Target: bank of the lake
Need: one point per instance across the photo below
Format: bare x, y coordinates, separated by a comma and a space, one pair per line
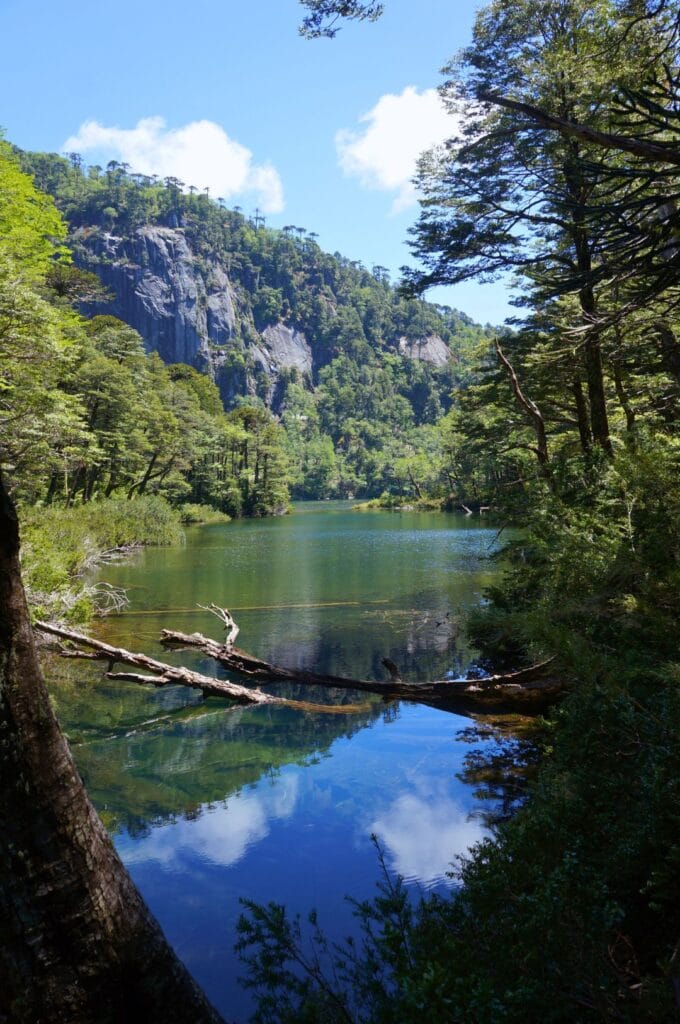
208, 803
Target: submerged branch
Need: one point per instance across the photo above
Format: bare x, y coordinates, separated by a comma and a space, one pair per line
530, 689
171, 675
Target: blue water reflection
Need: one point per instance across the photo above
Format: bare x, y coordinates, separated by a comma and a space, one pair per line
209, 804
302, 836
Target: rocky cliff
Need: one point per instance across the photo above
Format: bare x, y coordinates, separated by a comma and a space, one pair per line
187, 309
184, 310
358, 372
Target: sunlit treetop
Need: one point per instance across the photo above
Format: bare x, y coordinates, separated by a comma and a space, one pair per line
324, 15
31, 228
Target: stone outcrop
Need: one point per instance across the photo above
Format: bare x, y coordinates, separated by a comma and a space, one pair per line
188, 310
431, 349
157, 287
286, 347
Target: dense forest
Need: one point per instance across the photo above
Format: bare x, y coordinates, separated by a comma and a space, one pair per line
358, 375
101, 441
107, 444
564, 174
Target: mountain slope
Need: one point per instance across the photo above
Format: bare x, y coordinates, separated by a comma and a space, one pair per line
330, 347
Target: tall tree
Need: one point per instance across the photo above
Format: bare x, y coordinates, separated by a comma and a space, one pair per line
510, 195
77, 943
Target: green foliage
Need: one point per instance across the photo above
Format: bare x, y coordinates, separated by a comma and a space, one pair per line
324, 15
569, 911
370, 391
191, 514
97, 438
62, 547
566, 914
31, 228
36, 338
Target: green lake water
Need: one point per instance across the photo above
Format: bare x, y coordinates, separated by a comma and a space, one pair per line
208, 804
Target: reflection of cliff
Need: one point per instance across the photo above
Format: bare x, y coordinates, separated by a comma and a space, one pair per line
144, 777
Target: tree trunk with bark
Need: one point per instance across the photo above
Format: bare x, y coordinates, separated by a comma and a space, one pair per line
534, 416
77, 943
584, 432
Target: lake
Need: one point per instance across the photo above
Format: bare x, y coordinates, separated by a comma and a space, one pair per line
207, 803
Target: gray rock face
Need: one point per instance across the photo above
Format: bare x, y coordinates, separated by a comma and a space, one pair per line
278, 348
284, 347
432, 349
180, 310
187, 310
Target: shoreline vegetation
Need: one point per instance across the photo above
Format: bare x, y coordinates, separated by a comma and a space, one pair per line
566, 424
62, 549
400, 503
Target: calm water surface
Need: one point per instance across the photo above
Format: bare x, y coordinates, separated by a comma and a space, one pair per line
209, 804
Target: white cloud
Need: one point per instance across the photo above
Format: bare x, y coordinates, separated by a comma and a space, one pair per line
424, 835
221, 835
384, 154
200, 153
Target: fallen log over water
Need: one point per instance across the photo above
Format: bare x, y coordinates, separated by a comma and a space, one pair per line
527, 690
171, 675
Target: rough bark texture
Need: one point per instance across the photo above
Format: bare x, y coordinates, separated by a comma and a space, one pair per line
77, 943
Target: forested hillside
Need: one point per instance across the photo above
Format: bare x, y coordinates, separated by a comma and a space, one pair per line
358, 374
104, 445
157, 349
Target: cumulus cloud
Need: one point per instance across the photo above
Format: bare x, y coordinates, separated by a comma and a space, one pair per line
200, 154
384, 153
221, 835
425, 834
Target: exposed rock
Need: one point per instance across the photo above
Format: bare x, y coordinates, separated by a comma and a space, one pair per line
431, 349
286, 347
180, 309
186, 308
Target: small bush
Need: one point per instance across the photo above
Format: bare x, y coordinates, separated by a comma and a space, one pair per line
191, 514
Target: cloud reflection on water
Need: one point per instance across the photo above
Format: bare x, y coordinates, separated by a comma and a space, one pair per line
424, 831
222, 834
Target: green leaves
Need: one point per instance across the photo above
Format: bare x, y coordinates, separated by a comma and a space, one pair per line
31, 229
325, 15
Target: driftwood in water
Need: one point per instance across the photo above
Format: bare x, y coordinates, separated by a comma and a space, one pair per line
163, 674
171, 675
526, 690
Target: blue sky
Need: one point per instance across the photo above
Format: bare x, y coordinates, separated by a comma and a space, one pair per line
320, 134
